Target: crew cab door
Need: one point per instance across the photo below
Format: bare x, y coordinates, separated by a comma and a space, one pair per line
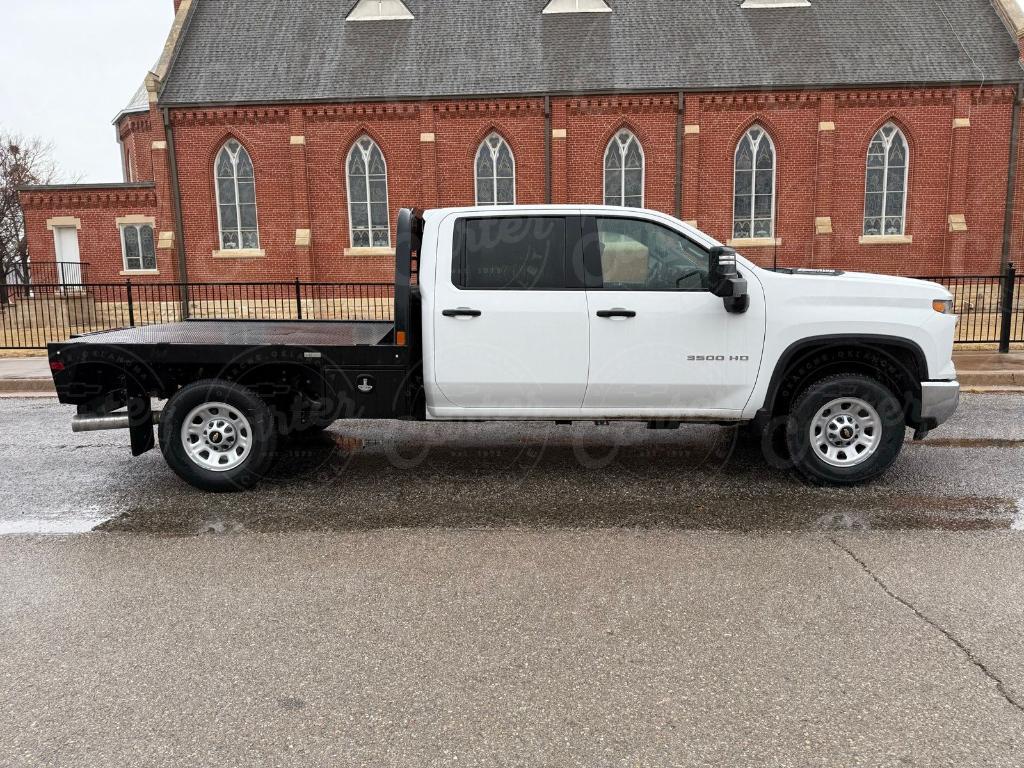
508, 331
659, 339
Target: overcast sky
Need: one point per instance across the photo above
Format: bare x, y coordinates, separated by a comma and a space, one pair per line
67, 67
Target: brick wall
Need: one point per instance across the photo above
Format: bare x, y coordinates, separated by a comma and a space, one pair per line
99, 236
590, 124
265, 134
461, 127
136, 134
791, 120
959, 143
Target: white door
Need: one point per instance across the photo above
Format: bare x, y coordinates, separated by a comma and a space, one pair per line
69, 259
507, 334
659, 340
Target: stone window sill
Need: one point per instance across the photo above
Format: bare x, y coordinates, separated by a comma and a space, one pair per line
754, 242
131, 272
369, 251
886, 239
240, 253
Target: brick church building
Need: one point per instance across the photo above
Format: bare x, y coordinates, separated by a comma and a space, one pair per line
277, 140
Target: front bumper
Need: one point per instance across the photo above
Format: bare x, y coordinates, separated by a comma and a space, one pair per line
939, 401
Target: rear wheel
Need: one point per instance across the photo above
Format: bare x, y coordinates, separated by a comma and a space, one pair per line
844, 430
218, 436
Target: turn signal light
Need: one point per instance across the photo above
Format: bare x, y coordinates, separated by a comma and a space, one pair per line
943, 306
400, 338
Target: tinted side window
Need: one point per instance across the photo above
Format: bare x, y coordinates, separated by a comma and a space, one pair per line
643, 256
518, 253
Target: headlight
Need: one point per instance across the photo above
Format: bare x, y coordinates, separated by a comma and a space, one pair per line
943, 306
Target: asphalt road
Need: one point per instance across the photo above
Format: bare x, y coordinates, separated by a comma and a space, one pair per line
370, 475
485, 595
513, 648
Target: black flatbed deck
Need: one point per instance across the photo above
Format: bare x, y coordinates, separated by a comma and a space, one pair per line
221, 348
247, 333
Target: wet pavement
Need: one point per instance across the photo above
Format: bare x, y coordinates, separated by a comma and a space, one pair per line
527, 595
368, 475
513, 648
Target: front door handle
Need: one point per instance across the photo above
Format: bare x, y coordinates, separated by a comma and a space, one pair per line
462, 312
616, 313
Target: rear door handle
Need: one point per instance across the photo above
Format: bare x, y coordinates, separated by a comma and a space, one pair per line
616, 313
462, 312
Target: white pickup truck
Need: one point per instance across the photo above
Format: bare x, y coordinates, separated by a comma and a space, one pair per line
546, 313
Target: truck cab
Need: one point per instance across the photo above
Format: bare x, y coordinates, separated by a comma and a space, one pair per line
613, 313
580, 313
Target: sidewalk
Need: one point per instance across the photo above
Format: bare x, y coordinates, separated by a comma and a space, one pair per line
978, 372
29, 376
990, 371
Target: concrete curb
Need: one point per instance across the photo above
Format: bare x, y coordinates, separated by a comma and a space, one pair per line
996, 390
27, 385
991, 378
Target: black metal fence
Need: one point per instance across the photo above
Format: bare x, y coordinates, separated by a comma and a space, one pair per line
39, 314
58, 272
990, 307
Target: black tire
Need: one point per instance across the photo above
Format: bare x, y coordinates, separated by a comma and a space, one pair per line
809, 460
262, 443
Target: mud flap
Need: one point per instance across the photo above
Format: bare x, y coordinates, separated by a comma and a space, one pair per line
141, 425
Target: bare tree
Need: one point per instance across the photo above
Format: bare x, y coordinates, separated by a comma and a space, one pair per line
22, 161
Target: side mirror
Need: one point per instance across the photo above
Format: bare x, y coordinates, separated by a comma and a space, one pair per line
725, 280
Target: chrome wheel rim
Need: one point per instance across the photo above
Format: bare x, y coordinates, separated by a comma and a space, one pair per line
216, 437
846, 432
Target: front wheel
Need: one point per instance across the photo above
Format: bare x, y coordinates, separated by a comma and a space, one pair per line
218, 436
845, 430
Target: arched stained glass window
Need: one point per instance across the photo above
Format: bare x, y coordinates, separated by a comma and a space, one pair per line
885, 191
495, 172
624, 171
236, 198
754, 190
367, 172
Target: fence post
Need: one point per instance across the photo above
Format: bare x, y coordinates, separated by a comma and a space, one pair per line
1006, 322
298, 298
131, 303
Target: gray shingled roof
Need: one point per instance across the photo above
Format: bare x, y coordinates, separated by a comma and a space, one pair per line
139, 103
257, 51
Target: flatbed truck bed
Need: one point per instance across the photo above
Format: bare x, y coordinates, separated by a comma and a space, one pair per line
315, 371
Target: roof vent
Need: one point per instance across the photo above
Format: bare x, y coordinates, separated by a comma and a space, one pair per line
577, 6
776, 4
380, 10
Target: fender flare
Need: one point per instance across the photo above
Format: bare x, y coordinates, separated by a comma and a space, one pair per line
868, 341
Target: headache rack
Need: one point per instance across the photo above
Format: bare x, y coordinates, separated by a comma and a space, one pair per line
407, 261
